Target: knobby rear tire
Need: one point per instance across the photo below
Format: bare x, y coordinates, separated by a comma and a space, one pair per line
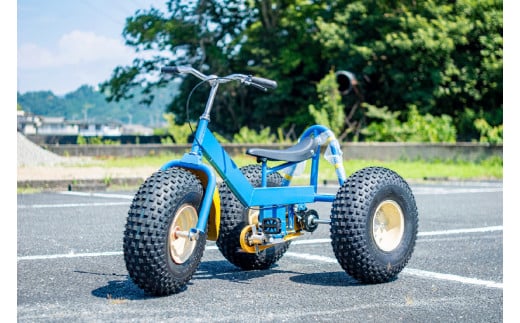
234, 217
355, 225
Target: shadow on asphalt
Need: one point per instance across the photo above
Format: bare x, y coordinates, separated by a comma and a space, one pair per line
339, 278
223, 270
121, 289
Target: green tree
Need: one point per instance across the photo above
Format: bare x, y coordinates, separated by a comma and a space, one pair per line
330, 110
444, 57
265, 38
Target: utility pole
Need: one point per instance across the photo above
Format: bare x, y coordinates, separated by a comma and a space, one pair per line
86, 106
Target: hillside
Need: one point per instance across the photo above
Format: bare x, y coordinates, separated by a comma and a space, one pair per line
88, 104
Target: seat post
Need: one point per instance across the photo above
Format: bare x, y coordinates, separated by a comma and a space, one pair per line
264, 171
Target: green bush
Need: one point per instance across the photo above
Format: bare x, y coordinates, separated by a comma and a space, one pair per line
246, 135
417, 127
180, 132
488, 133
81, 140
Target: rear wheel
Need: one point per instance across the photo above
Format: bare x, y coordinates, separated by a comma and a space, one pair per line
159, 258
234, 217
374, 223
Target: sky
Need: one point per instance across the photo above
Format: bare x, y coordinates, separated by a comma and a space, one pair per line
63, 44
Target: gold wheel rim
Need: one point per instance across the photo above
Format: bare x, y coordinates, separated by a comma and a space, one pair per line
388, 225
180, 246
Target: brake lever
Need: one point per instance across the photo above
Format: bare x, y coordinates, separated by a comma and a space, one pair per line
249, 81
259, 87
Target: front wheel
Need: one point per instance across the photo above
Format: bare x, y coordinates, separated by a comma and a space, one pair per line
374, 222
158, 258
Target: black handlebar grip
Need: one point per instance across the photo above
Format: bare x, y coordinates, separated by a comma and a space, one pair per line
170, 70
268, 84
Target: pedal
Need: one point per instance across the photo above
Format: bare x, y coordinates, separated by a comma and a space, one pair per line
271, 225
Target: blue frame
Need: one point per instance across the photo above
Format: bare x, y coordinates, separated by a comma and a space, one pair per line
272, 201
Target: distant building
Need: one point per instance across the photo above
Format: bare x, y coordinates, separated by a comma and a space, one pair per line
59, 131
136, 129
30, 124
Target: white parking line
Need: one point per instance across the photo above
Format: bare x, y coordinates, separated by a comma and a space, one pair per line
296, 242
461, 231
449, 277
408, 271
422, 190
71, 255
117, 196
419, 234
48, 206
459, 190
416, 191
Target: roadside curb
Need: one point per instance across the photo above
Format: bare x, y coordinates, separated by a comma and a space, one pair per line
82, 185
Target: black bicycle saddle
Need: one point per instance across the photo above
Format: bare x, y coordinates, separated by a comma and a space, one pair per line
303, 150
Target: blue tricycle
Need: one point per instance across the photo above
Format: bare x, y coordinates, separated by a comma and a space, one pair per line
254, 212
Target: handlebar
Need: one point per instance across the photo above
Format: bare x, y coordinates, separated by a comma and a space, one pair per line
258, 82
170, 69
267, 83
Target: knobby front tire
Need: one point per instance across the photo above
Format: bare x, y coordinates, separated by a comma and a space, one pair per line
158, 260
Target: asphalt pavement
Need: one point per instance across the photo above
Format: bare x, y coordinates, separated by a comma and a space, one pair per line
70, 267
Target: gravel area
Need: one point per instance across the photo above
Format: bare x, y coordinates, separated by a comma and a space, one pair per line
38, 164
30, 154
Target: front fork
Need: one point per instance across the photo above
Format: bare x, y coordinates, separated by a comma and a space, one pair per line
209, 211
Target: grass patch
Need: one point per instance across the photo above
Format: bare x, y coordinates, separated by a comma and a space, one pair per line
489, 169
416, 170
129, 162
